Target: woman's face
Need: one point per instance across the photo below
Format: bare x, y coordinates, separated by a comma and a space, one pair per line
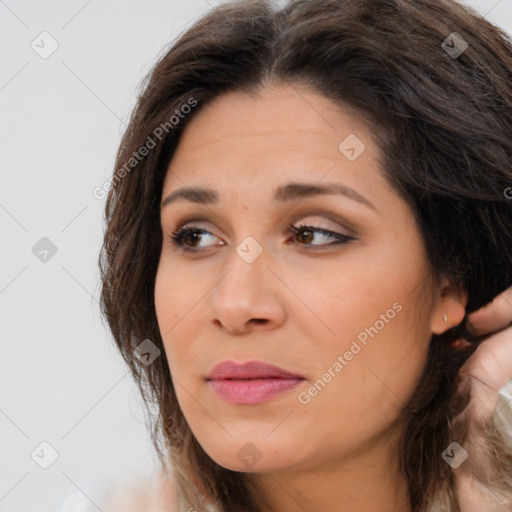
350, 322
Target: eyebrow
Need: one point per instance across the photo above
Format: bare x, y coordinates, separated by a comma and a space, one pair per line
288, 192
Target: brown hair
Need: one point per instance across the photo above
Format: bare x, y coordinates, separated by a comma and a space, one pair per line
444, 125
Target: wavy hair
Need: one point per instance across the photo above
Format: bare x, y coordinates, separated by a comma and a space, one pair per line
441, 115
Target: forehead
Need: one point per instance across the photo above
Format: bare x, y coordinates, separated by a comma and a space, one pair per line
281, 119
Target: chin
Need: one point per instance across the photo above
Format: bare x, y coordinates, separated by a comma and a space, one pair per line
250, 456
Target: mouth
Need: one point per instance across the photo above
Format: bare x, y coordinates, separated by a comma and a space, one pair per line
253, 382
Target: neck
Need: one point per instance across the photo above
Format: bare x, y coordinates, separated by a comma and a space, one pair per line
368, 481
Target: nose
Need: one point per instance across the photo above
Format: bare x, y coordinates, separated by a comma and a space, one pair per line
247, 297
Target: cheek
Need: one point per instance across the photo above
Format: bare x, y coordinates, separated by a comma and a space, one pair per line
372, 309
173, 306
374, 378
355, 293
175, 295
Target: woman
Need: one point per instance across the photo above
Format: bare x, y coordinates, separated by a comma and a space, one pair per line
308, 203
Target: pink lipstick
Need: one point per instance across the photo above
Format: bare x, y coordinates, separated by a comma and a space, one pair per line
253, 382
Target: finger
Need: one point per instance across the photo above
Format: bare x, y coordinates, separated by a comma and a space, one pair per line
491, 362
492, 317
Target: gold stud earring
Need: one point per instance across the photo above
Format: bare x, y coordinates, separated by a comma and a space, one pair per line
445, 317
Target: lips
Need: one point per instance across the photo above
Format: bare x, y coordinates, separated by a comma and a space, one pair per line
251, 383
250, 370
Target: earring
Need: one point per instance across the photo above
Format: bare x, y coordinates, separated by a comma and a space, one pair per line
445, 317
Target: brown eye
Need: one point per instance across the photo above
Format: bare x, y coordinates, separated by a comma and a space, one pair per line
309, 232
192, 234
188, 238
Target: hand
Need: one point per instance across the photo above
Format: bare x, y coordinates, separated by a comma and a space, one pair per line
488, 370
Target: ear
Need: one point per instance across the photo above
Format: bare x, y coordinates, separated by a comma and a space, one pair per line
450, 307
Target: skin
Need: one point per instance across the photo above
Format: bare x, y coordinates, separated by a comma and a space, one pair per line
309, 305
488, 370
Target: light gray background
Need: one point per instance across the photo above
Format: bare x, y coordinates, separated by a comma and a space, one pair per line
61, 380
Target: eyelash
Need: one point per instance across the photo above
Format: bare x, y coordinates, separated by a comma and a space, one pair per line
177, 237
